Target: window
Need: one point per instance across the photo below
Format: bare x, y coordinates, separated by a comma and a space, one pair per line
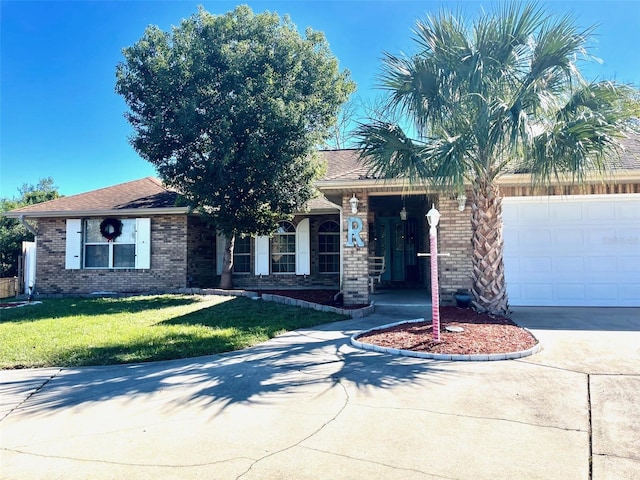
242, 255
329, 247
99, 252
283, 249
88, 247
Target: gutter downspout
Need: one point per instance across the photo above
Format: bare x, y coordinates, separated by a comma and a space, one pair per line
32, 265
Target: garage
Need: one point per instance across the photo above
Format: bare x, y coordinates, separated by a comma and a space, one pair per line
581, 250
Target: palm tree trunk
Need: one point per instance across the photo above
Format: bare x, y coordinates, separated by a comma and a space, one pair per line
489, 286
226, 280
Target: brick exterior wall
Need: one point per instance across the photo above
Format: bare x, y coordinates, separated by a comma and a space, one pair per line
168, 262
454, 237
201, 254
291, 280
355, 279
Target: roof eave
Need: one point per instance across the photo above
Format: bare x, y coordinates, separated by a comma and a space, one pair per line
99, 213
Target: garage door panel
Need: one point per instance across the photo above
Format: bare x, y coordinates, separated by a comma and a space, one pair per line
596, 212
562, 265
580, 250
569, 293
603, 266
540, 294
596, 293
563, 212
623, 212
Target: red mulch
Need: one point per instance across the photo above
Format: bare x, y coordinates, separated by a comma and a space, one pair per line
483, 334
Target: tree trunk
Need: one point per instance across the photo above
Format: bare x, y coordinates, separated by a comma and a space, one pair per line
226, 280
489, 286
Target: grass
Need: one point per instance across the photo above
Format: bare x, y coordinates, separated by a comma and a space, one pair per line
89, 331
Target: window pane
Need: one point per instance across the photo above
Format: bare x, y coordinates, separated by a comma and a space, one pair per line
329, 263
329, 226
283, 263
124, 256
92, 232
242, 264
243, 245
96, 256
128, 232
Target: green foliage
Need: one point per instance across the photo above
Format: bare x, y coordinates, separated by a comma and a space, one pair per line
83, 331
503, 94
229, 109
12, 232
500, 95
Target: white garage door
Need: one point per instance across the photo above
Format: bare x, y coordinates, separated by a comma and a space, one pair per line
572, 251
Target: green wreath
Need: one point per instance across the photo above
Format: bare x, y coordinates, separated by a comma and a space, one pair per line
111, 228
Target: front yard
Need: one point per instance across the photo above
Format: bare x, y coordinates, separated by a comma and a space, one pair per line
91, 331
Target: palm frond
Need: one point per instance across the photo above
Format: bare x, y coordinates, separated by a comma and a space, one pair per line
390, 153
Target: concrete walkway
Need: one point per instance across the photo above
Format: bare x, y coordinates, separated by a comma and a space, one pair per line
307, 405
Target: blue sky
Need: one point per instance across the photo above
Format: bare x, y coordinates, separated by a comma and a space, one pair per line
60, 116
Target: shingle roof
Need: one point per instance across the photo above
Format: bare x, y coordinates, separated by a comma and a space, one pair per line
147, 193
630, 158
346, 164
343, 165
150, 193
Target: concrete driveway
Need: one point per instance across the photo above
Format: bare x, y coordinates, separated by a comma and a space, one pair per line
307, 405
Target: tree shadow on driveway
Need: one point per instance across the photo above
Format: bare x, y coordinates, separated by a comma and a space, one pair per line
316, 358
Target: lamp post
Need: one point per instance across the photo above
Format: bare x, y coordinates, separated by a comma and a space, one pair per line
433, 217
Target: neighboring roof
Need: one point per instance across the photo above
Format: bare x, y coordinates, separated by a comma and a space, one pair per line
148, 193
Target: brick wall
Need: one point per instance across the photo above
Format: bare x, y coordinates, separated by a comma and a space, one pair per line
201, 254
290, 280
168, 262
454, 237
355, 279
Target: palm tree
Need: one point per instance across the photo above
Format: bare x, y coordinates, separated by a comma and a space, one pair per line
502, 95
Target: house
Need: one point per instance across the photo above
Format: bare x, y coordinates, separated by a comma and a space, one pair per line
564, 245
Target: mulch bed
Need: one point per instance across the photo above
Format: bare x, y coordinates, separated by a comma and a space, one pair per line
482, 334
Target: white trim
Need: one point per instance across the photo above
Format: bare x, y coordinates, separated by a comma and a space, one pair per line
262, 255
143, 243
73, 247
303, 248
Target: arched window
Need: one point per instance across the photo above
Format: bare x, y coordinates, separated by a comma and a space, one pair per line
283, 249
329, 247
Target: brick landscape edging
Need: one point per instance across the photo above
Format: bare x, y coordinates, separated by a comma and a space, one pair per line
268, 297
439, 356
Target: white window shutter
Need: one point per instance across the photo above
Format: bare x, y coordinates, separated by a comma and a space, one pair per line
221, 243
143, 243
303, 251
262, 255
73, 251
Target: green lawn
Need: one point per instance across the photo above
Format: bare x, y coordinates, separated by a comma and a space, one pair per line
90, 331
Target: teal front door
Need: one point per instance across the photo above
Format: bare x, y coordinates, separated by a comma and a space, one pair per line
391, 246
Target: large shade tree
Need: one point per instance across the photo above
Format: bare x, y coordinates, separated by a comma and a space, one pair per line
503, 94
229, 109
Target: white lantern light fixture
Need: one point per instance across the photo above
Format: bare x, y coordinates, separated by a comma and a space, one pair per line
433, 216
462, 200
354, 204
403, 213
